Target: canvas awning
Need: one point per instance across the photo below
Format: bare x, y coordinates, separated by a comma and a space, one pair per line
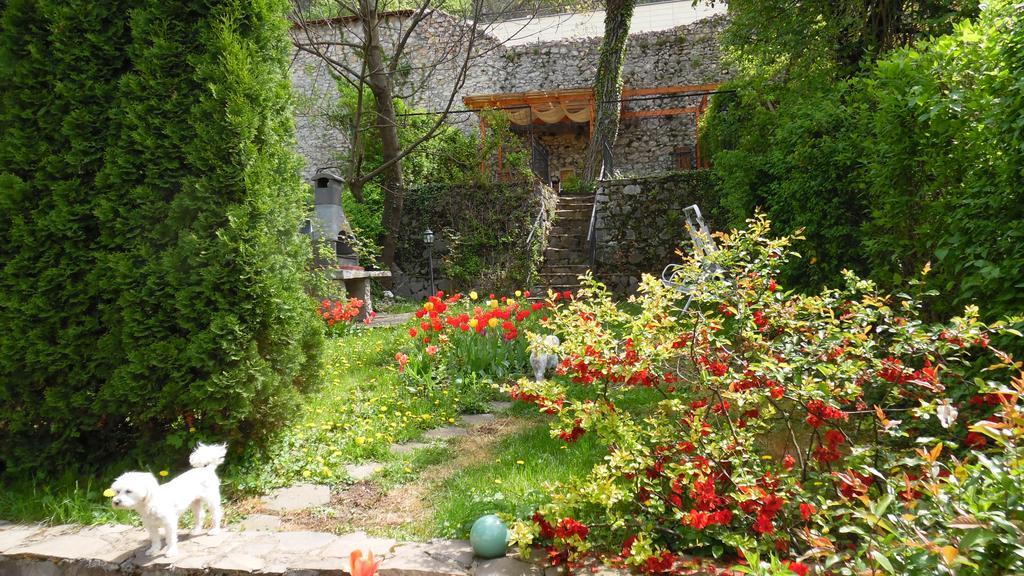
539, 107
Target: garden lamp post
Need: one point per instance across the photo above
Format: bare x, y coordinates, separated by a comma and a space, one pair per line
428, 239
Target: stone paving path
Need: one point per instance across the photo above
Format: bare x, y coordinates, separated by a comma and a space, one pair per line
385, 320
32, 550
300, 497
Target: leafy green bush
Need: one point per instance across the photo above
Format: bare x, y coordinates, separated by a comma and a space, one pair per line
151, 266
916, 158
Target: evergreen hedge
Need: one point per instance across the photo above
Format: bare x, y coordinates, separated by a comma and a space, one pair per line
150, 200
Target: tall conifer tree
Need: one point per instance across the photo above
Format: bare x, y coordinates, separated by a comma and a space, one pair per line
187, 301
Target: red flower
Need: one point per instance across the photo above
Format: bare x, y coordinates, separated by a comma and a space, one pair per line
799, 568
360, 566
569, 527
788, 462
627, 547
807, 510
777, 392
975, 440
698, 520
772, 286
412, 332
431, 350
763, 524
546, 530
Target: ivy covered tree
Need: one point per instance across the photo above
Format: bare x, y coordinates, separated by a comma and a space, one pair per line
185, 305
608, 84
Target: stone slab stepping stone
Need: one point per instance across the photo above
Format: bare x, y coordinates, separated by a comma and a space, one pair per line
417, 560
363, 471
14, 535
297, 497
499, 406
477, 419
445, 433
408, 447
505, 567
260, 523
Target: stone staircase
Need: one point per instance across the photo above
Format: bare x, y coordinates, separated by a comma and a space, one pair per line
566, 255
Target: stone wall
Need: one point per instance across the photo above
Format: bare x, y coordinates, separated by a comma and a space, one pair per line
640, 223
433, 57
480, 232
686, 55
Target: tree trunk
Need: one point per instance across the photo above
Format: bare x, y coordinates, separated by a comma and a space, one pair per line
380, 85
608, 84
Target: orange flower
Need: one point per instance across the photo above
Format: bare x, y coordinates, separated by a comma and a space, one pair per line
363, 566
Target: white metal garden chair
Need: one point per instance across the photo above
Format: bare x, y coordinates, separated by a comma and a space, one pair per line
703, 245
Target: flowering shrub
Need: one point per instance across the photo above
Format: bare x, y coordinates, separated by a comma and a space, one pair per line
339, 315
796, 428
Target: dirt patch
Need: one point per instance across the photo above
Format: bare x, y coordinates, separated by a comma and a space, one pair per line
366, 506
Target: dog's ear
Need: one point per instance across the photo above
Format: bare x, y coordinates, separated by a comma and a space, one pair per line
150, 484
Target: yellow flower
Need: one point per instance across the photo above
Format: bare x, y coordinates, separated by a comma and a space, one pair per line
493, 303
473, 295
164, 472
474, 323
497, 480
519, 293
109, 493
492, 322
520, 462
428, 306
360, 441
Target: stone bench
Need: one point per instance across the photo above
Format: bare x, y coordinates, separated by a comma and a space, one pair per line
357, 285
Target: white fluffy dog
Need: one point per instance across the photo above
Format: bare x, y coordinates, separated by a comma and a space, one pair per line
543, 357
160, 506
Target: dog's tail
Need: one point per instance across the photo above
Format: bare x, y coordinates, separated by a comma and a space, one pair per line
208, 455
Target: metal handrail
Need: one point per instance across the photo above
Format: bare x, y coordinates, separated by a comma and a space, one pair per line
607, 163
592, 235
529, 238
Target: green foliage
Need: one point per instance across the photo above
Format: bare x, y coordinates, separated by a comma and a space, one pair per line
914, 159
483, 224
152, 267
447, 157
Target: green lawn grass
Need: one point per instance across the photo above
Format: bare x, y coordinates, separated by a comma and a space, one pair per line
362, 409
513, 481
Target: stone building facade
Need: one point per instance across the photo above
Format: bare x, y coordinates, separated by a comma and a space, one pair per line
683, 56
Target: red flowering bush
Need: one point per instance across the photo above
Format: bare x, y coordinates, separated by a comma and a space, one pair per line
776, 419
339, 314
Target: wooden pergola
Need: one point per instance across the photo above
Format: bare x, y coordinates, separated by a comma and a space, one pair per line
578, 105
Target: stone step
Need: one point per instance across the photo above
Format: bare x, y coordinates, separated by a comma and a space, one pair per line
556, 256
565, 240
556, 288
558, 279
564, 269
574, 209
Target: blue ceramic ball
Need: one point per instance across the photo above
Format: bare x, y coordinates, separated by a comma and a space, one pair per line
489, 537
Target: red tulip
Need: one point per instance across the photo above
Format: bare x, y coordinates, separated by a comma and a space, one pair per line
363, 566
